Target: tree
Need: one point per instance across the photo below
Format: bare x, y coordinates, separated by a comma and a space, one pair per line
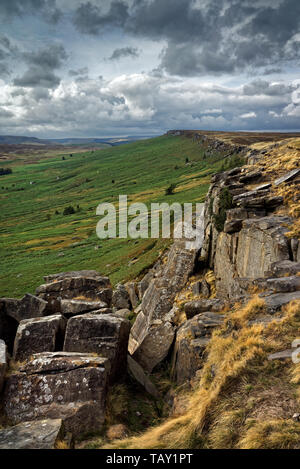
69, 210
4, 171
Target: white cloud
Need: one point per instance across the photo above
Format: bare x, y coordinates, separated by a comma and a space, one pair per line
248, 115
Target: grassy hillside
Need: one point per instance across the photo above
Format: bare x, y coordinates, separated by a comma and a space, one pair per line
37, 239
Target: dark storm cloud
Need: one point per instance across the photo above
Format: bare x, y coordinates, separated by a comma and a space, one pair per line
124, 52
80, 72
42, 65
206, 37
261, 87
47, 8
90, 18
37, 76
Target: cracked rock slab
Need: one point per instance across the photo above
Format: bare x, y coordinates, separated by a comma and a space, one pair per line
69, 386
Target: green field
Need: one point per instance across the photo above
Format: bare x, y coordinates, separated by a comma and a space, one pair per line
37, 239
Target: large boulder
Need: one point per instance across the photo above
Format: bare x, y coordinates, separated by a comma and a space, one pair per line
104, 334
39, 335
191, 341
67, 386
153, 344
74, 285
3, 362
28, 307
43, 434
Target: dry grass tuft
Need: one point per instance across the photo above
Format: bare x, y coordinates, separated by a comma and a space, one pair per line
272, 434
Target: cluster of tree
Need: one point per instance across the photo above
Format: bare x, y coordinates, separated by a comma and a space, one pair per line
4, 171
70, 210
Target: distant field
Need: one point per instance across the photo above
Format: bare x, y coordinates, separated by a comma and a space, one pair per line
37, 239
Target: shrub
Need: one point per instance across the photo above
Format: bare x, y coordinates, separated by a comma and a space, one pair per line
69, 210
225, 204
170, 190
4, 171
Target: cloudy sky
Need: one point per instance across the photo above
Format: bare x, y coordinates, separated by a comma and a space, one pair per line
127, 67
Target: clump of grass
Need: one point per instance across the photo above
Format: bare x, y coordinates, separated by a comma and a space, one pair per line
273, 434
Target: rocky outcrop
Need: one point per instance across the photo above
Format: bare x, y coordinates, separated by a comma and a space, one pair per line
104, 334
3, 362
43, 434
83, 285
152, 333
191, 341
39, 335
67, 386
244, 240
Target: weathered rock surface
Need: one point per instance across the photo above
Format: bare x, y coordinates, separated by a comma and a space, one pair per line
75, 273
120, 298
74, 285
287, 177
233, 226
283, 268
191, 340
28, 307
249, 253
144, 284
131, 288
73, 307
39, 335
3, 362
154, 342
123, 313
192, 308
152, 333
283, 284
68, 386
43, 434
103, 334
276, 301
138, 373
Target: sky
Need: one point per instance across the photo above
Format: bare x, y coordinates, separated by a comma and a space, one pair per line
99, 68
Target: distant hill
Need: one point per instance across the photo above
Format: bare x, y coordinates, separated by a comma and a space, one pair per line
114, 141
